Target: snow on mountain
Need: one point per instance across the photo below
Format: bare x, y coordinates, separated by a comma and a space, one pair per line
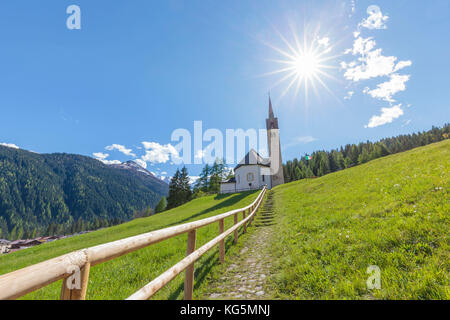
132, 165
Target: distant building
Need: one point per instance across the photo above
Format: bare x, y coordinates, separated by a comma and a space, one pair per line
254, 171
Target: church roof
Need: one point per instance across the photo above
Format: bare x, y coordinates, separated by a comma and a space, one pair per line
253, 158
231, 180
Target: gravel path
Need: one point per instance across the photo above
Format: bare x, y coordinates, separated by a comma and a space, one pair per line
245, 278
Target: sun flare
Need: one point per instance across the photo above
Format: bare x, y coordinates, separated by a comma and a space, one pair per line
306, 65
303, 65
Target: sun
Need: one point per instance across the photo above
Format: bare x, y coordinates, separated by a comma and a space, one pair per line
306, 65
303, 65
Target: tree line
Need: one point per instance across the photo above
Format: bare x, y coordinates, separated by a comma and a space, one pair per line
48, 194
211, 176
320, 163
181, 190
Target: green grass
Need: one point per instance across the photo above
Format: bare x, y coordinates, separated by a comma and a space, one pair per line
119, 278
392, 212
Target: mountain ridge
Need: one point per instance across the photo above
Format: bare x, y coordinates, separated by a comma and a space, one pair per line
69, 192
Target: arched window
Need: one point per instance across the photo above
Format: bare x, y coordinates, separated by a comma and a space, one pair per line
250, 177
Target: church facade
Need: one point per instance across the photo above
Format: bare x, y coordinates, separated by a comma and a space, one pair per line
253, 172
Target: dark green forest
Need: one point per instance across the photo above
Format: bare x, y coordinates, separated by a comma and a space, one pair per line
47, 194
323, 162
181, 191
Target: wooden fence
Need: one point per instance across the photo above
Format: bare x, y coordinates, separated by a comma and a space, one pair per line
74, 267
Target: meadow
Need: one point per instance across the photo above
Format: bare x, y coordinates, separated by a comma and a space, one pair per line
392, 212
121, 277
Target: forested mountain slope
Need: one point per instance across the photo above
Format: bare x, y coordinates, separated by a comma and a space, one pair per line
59, 193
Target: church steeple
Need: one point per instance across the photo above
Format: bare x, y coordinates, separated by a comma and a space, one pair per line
273, 142
271, 122
271, 116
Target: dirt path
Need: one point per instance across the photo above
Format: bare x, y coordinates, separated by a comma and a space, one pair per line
245, 278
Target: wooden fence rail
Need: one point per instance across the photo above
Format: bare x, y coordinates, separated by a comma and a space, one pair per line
75, 267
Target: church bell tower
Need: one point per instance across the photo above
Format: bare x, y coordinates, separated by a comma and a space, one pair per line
273, 142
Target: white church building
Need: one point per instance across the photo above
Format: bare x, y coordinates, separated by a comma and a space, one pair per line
254, 172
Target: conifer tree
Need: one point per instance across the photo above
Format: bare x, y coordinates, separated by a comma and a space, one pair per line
185, 187
173, 199
162, 205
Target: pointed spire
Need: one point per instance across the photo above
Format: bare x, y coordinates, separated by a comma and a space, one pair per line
271, 122
271, 115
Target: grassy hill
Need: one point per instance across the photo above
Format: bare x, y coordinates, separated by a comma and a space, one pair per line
119, 278
392, 212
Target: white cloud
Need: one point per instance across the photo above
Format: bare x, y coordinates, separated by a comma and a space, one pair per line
157, 153
141, 162
228, 169
386, 90
402, 64
362, 46
376, 19
349, 95
387, 116
110, 161
325, 41
200, 154
193, 179
100, 155
120, 148
371, 63
9, 145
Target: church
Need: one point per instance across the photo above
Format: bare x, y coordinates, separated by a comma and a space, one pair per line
254, 171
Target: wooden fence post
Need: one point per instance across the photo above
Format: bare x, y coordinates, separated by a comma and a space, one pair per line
236, 233
189, 275
77, 290
76, 265
222, 242
65, 291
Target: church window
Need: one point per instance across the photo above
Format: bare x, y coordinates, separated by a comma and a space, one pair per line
250, 176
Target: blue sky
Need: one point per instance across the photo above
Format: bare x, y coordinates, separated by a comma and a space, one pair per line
138, 70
